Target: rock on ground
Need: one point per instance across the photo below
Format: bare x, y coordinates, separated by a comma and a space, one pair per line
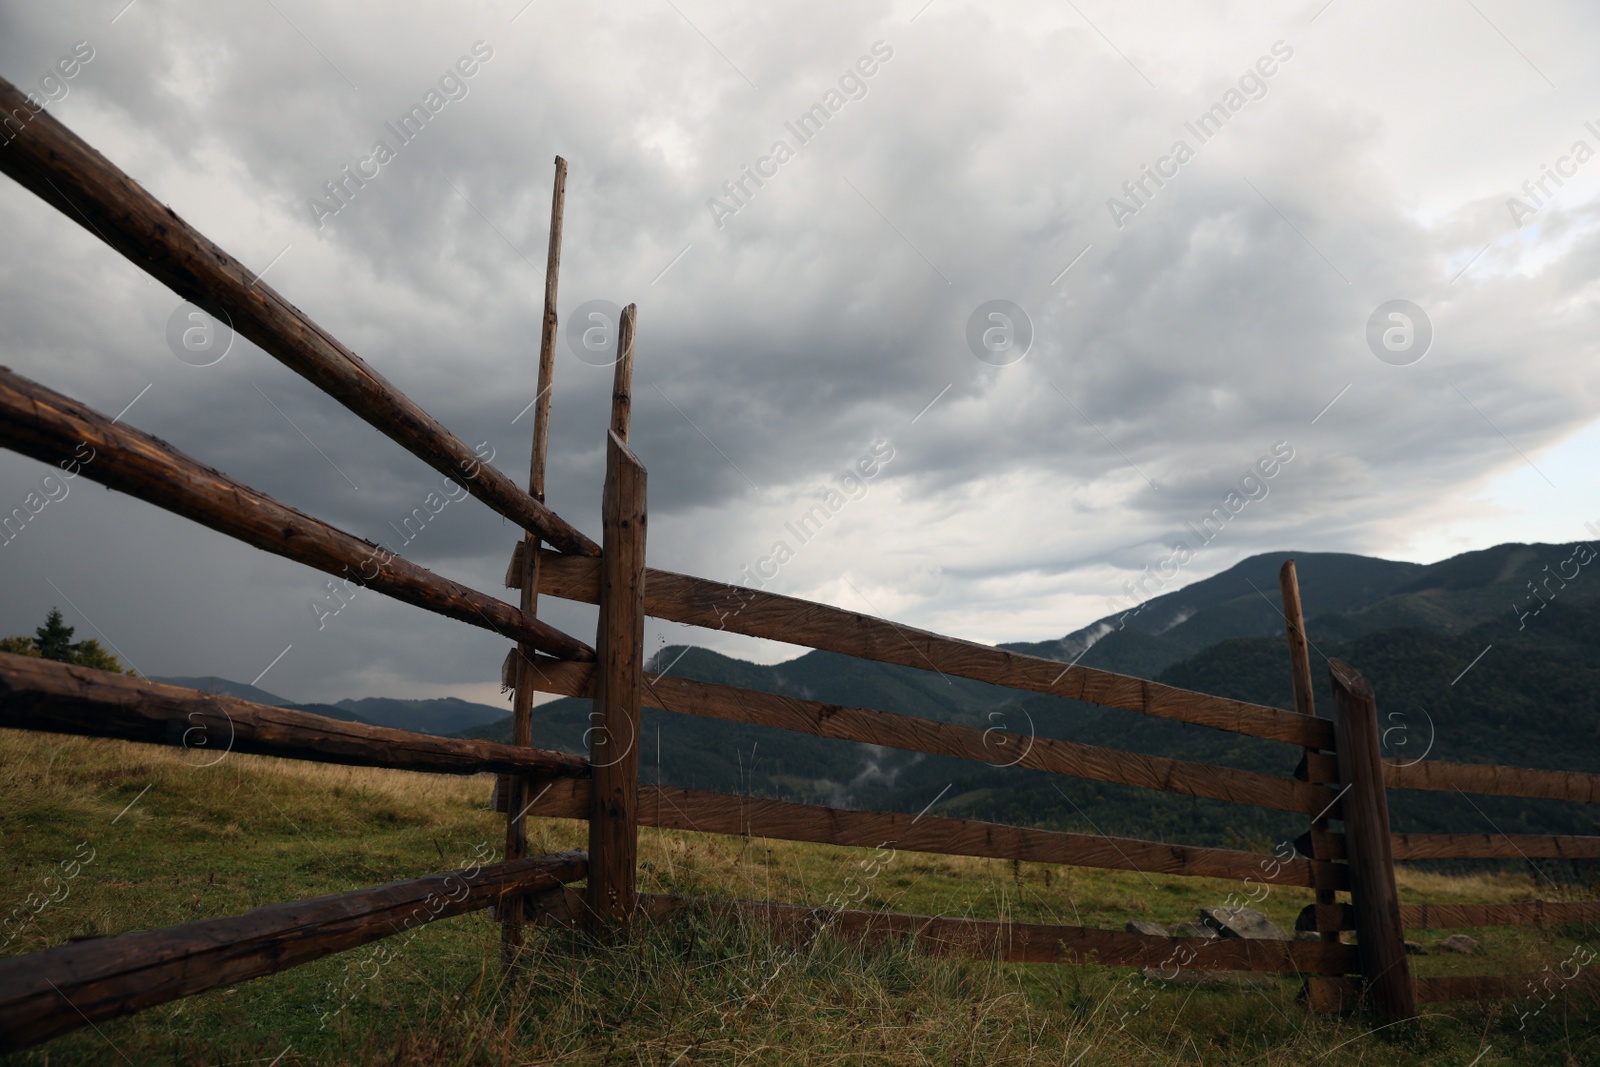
1461, 943
1246, 923
1140, 926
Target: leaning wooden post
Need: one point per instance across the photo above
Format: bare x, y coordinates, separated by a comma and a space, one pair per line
1320, 992
1380, 939
1304, 703
619, 672
525, 570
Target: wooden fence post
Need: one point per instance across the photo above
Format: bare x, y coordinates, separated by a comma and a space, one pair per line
1320, 993
619, 674
1380, 938
527, 562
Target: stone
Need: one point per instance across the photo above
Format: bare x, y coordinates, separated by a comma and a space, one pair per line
1140, 926
1307, 935
1460, 943
1413, 948
1245, 923
1205, 933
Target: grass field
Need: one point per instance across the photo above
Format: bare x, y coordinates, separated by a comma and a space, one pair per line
160, 839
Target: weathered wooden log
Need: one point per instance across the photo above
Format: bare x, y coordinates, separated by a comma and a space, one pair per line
1294, 622
732, 704
1495, 846
60, 989
1366, 824
62, 170
40, 694
721, 813
525, 563
1516, 913
619, 681
1520, 913
998, 940
1494, 780
1539, 988
52, 428
622, 375
702, 602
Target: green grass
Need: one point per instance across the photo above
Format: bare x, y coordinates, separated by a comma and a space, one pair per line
698, 988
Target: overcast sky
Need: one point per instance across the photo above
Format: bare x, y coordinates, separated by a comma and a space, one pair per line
1177, 334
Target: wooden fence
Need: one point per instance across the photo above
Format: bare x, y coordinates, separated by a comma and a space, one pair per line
1341, 778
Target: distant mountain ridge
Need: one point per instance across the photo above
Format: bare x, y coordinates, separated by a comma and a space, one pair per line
441, 715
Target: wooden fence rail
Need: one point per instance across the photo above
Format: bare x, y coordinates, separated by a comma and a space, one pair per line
996, 939
1537, 913
701, 602
702, 811
1467, 846
41, 694
49, 427
1493, 780
908, 732
62, 170
60, 989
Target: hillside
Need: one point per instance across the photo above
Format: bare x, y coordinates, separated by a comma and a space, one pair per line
173, 842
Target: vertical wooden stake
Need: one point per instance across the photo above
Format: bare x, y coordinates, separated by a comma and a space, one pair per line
515, 789
619, 688
622, 380
619, 668
1380, 939
1322, 993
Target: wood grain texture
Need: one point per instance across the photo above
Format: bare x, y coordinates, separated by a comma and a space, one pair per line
619, 681
721, 813
993, 746
60, 989
701, 602
40, 694
55, 429
1493, 780
1328, 845
1515, 913
1539, 988
62, 170
1521, 913
622, 375
1384, 963
1495, 846
1006, 942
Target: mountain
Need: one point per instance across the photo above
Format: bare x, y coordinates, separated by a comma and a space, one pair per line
443, 716
242, 690
1344, 595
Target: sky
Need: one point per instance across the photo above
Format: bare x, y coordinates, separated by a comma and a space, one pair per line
1194, 224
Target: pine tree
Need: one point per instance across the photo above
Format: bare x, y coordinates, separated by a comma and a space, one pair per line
54, 638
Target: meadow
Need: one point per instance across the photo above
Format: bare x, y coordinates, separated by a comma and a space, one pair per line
157, 836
